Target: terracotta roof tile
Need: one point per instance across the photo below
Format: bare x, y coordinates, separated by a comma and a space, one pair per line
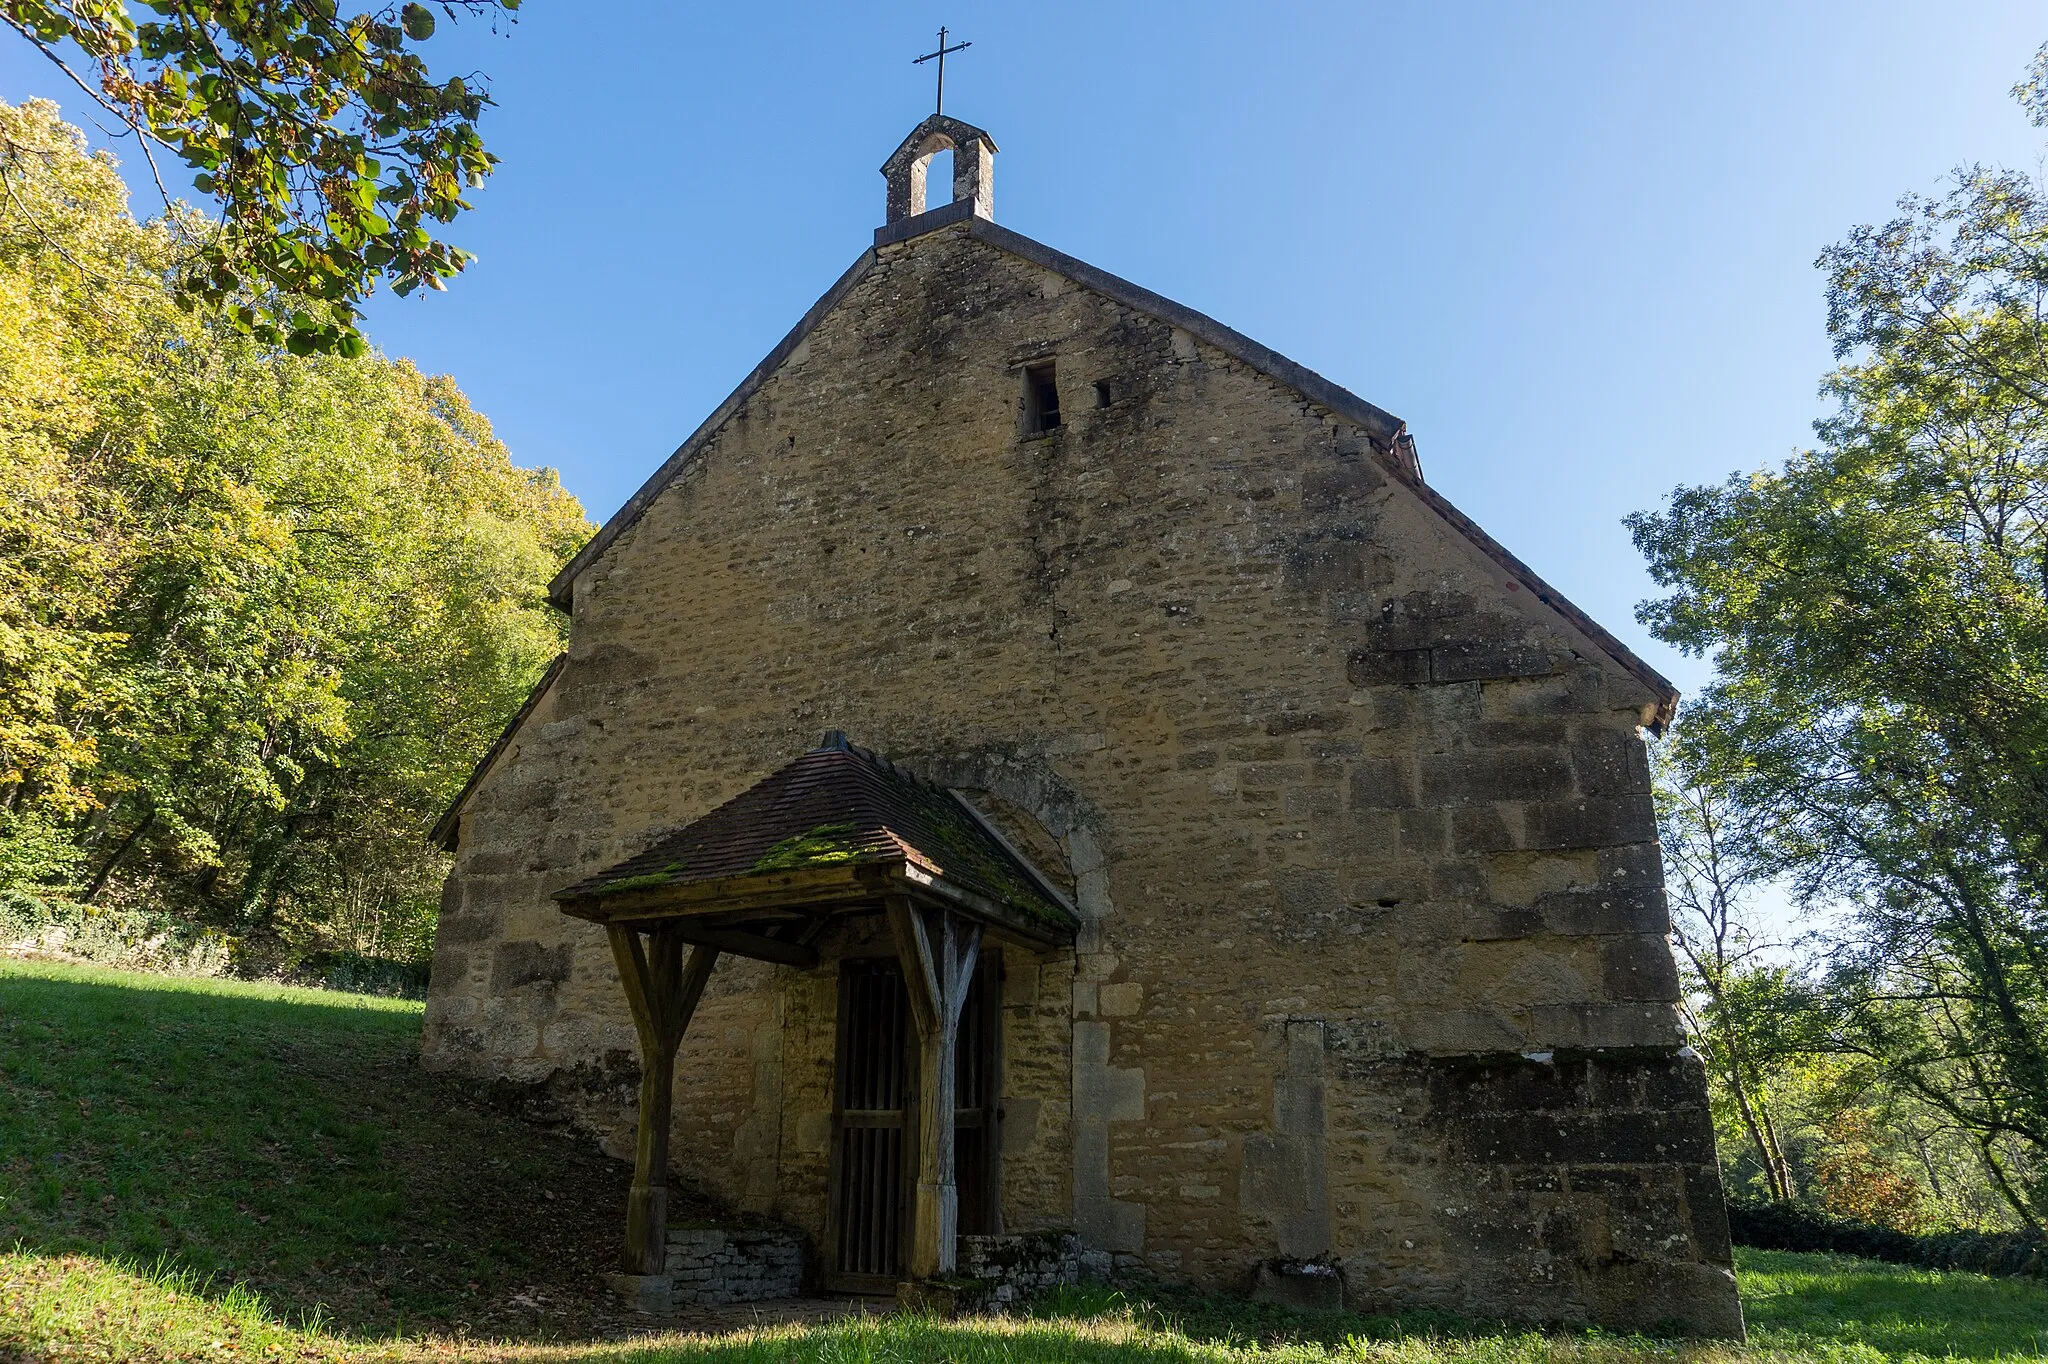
835, 804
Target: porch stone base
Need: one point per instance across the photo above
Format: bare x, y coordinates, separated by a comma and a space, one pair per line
653, 1294
718, 1266
995, 1272
713, 1266
1009, 1269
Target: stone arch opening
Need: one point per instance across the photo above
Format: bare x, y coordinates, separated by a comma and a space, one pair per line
934, 174
1027, 834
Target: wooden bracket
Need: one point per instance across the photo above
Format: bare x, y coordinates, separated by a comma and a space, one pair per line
743, 943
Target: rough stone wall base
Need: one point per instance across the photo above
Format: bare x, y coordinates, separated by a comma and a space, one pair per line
1005, 1270
717, 1266
1311, 1284
1576, 1187
713, 1266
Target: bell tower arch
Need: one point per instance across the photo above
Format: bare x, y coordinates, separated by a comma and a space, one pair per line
974, 159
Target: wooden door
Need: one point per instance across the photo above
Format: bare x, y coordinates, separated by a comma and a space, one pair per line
874, 1155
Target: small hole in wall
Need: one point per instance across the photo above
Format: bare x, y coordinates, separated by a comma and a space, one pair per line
1041, 399
1386, 904
1102, 394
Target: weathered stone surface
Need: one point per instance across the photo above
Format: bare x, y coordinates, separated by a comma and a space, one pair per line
1310, 1285
1006, 1270
514, 964
1487, 775
1339, 812
1497, 658
1638, 967
1582, 1186
1592, 822
713, 1266
1375, 667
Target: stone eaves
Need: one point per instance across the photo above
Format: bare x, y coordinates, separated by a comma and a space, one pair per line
442, 835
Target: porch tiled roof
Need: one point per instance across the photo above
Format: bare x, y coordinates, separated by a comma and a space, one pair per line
835, 805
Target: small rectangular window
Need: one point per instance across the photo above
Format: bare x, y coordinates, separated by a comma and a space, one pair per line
1041, 399
1103, 396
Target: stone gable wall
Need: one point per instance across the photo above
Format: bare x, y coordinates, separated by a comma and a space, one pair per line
1344, 809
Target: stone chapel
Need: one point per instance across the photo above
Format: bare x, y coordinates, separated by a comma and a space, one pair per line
1036, 763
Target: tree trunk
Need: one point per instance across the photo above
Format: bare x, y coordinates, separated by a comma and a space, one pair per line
99, 880
1750, 1123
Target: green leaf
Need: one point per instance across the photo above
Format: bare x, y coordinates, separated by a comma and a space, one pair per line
418, 21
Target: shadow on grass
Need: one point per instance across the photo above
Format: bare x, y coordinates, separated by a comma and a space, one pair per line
1224, 1319
1796, 1300
287, 1140
914, 1340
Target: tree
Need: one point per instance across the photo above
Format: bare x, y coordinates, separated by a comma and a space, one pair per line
1878, 614
259, 613
1742, 1010
332, 152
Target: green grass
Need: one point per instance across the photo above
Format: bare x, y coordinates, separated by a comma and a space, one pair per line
210, 1170
1815, 1303
71, 1309
285, 1140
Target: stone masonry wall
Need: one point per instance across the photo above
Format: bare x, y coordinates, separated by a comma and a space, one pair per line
1012, 1269
712, 1266
1348, 811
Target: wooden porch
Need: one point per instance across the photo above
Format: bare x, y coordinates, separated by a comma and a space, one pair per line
837, 832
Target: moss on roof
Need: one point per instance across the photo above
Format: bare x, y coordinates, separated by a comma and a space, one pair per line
646, 880
832, 807
822, 846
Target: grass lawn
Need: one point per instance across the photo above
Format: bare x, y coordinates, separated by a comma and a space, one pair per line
208, 1170
286, 1140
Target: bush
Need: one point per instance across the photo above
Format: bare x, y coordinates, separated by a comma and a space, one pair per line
110, 936
364, 975
1794, 1226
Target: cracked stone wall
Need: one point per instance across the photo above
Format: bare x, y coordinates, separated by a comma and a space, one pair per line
1372, 967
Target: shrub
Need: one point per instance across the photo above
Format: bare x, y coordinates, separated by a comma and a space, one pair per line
111, 936
1794, 1226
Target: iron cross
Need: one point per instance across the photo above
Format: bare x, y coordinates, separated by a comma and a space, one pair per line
941, 55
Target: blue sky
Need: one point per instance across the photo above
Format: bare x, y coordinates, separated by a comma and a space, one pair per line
1571, 245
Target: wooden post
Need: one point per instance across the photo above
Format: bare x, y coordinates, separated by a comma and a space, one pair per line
662, 991
938, 948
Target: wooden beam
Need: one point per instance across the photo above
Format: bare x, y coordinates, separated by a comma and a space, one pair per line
1025, 928
920, 971
939, 948
809, 891
740, 943
839, 884
662, 990
632, 963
